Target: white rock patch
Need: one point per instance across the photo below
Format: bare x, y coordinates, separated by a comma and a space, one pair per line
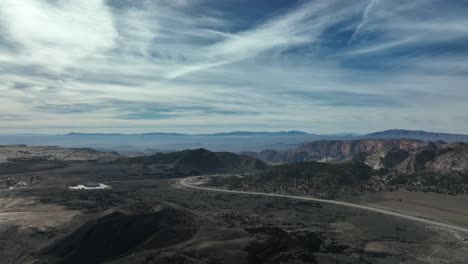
100, 186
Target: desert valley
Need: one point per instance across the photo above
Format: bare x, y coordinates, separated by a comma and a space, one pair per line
328, 201
233, 132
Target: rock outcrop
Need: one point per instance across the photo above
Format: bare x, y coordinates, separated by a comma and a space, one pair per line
377, 153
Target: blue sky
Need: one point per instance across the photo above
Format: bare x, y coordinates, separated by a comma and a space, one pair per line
220, 65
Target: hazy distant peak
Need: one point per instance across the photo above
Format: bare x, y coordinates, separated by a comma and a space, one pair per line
418, 134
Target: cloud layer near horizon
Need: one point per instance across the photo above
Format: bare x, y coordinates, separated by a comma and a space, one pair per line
203, 66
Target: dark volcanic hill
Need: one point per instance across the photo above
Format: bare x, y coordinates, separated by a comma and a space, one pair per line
122, 231
194, 162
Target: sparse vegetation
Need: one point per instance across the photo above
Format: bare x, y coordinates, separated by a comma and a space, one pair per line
128, 224
312, 178
333, 180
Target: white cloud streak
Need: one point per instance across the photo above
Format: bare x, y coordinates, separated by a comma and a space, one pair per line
365, 18
57, 35
288, 71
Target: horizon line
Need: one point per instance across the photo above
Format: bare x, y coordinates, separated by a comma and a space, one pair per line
229, 132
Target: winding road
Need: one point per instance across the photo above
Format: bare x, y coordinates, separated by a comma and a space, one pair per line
191, 182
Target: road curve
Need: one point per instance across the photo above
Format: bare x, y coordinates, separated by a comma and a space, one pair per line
188, 183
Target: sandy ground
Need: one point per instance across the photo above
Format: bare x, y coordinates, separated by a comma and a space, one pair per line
443, 208
30, 213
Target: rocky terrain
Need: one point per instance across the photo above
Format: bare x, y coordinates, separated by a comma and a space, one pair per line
17, 159
453, 160
157, 166
341, 180
371, 151
158, 221
405, 156
24, 153
393, 164
146, 216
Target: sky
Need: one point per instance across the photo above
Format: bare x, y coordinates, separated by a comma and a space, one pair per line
198, 66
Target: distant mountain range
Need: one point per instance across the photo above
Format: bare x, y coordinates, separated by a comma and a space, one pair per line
230, 141
392, 133
234, 133
418, 134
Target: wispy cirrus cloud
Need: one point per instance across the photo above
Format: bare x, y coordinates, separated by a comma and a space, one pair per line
365, 18
400, 25
136, 66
